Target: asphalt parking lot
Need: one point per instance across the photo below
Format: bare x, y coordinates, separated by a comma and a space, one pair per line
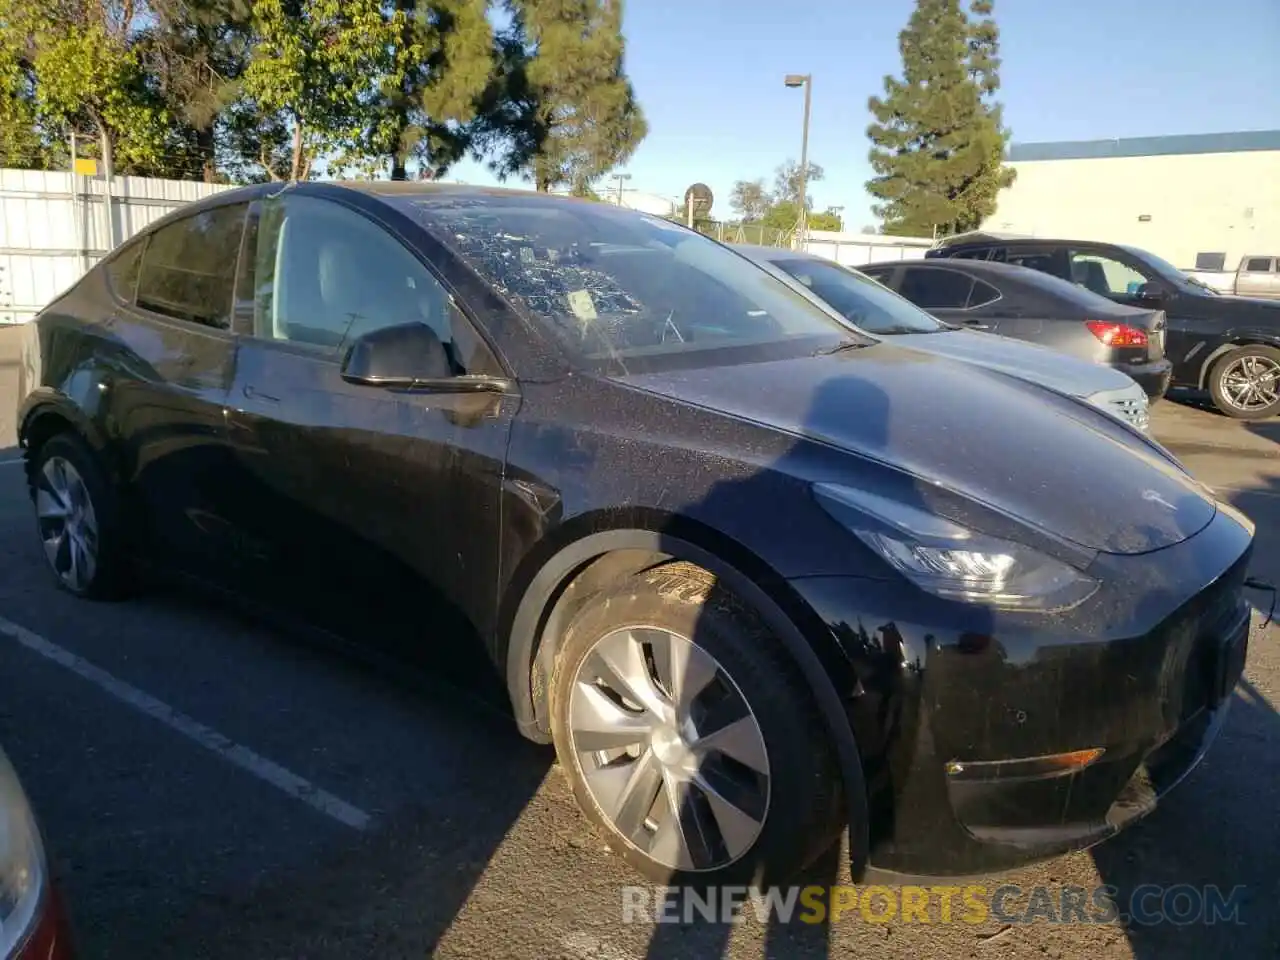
212, 788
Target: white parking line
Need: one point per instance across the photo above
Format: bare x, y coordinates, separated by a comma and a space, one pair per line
283, 780
10, 463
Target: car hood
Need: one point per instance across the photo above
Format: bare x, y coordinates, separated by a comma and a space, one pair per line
1246, 306
1048, 461
1049, 368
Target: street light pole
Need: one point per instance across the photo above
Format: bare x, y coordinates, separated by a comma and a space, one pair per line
621, 177
803, 80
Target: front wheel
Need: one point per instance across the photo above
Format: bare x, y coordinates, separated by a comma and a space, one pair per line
1245, 384
689, 737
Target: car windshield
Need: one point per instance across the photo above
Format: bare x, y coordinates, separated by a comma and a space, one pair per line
613, 284
1165, 270
862, 301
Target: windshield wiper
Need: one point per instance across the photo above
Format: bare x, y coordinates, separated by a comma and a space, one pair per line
840, 347
1196, 281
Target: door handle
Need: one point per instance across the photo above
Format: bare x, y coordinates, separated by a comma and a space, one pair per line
253, 394
976, 325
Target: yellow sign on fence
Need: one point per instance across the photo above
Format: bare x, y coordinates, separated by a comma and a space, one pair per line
86, 166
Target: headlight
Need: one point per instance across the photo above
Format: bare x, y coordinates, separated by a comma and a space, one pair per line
1129, 405
950, 560
22, 865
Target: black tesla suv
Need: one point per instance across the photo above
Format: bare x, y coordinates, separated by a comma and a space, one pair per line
759, 577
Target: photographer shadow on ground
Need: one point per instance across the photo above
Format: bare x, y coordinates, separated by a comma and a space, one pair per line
869, 661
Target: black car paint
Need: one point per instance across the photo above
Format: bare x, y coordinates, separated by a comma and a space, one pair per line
1202, 325
1023, 308
246, 457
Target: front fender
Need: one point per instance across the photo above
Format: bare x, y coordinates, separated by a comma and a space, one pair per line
528, 625
1237, 337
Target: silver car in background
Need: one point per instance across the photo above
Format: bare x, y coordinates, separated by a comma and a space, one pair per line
850, 292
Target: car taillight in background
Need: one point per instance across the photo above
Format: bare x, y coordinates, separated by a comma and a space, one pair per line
1117, 334
31, 922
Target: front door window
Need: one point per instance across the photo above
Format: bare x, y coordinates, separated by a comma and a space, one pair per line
1105, 275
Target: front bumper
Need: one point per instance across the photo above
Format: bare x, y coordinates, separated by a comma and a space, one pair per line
1143, 670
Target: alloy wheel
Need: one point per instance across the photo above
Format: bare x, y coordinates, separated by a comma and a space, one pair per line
68, 523
669, 749
1251, 383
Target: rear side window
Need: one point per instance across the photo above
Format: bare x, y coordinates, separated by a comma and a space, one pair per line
981, 253
122, 271
1051, 260
936, 289
879, 274
982, 294
189, 267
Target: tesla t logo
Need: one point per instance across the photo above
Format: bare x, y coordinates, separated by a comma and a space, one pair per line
1152, 497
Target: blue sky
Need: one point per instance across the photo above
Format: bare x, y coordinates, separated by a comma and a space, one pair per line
709, 76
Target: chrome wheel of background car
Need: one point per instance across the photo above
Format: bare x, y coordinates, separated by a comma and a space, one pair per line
68, 523
1251, 383
669, 749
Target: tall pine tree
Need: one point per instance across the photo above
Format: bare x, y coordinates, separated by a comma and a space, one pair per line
938, 139
564, 112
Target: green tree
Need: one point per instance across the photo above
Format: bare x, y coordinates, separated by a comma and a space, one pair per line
750, 200
783, 215
313, 66
565, 111
77, 68
196, 52
825, 220
786, 183
938, 139
422, 108
21, 140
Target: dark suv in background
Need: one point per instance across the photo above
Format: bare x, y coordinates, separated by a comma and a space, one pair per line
1229, 346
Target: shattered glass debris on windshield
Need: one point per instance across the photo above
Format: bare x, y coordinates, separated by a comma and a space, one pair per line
614, 283
560, 284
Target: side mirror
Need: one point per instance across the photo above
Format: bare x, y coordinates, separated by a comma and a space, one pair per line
1151, 292
401, 356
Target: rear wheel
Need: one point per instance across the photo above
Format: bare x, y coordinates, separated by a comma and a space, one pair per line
1245, 384
77, 517
689, 736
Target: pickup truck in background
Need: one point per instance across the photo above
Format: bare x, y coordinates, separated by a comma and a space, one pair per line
1226, 345
1257, 276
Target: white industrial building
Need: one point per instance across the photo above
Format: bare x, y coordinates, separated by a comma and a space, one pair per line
1190, 199
654, 204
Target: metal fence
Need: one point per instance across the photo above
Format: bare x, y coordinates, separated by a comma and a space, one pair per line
851, 249
855, 249
54, 226
753, 233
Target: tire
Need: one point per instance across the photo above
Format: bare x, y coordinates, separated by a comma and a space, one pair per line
793, 814
1255, 362
64, 471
